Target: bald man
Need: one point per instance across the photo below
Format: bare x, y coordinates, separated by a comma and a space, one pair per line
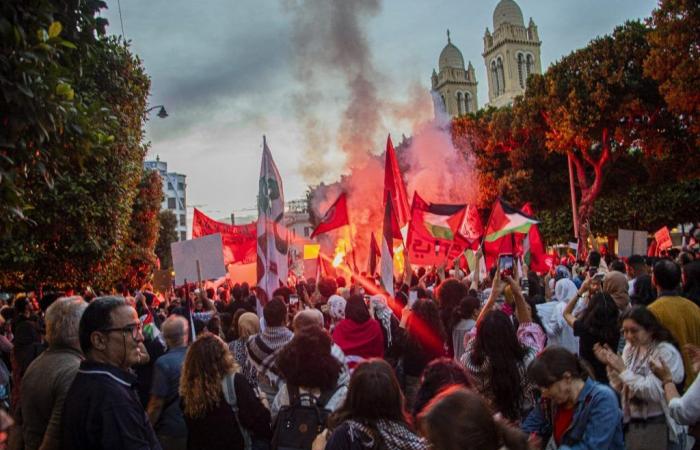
164, 405
314, 318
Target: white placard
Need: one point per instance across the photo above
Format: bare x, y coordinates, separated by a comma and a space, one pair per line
208, 250
631, 242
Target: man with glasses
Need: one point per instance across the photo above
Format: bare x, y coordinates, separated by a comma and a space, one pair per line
102, 409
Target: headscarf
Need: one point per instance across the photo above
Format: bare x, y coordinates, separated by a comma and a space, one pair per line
307, 317
561, 272
615, 284
383, 314
564, 290
248, 325
336, 307
356, 310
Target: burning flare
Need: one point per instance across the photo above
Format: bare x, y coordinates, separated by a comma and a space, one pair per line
340, 252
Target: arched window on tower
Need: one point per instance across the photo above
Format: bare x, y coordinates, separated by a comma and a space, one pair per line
444, 104
530, 65
521, 63
494, 77
467, 102
501, 75
459, 104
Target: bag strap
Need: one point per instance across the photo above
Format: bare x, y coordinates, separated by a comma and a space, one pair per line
326, 396
229, 388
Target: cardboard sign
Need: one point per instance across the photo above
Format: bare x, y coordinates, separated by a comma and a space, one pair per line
631, 242
208, 250
663, 239
162, 280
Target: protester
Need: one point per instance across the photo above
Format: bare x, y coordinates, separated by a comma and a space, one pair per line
615, 284
264, 347
643, 291
636, 268
422, 341
575, 411
463, 320
336, 310
598, 324
372, 413
163, 408
438, 375
248, 324
679, 315
309, 369
686, 409
449, 294
649, 425
379, 310
26, 346
358, 335
458, 419
497, 357
48, 378
102, 409
559, 332
691, 282
212, 423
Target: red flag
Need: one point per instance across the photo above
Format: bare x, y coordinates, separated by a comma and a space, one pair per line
239, 241
390, 231
335, 217
394, 187
373, 255
532, 246
434, 231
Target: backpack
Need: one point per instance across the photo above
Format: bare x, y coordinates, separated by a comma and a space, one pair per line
298, 424
229, 390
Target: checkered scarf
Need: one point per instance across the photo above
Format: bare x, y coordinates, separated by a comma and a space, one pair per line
393, 435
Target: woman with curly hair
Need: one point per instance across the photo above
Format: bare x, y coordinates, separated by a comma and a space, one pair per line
308, 366
439, 375
211, 422
372, 415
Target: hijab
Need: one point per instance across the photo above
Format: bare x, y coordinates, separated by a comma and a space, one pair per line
615, 284
336, 307
564, 290
356, 310
248, 325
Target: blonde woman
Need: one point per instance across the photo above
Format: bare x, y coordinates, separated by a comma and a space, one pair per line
211, 421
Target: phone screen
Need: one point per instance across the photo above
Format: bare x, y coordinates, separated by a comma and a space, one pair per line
505, 265
293, 299
412, 298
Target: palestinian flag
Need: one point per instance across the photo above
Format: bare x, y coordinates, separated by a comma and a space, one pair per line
532, 246
505, 220
374, 253
390, 231
150, 329
440, 221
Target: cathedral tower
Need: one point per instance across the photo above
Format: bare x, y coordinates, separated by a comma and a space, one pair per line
511, 53
454, 86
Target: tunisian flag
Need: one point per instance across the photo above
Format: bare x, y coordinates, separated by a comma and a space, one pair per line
394, 187
238, 240
335, 217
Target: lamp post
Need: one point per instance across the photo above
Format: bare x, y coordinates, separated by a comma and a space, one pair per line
162, 113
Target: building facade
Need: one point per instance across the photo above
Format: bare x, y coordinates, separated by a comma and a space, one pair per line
174, 194
511, 53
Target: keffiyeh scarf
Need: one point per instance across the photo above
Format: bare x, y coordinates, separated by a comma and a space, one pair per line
393, 435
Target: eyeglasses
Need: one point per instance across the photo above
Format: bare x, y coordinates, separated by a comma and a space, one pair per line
133, 329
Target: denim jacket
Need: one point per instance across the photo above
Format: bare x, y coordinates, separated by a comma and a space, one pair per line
596, 424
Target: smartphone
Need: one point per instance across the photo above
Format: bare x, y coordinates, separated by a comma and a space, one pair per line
599, 277
505, 264
293, 299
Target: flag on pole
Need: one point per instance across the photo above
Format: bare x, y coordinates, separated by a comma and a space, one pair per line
374, 253
394, 186
390, 231
532, 246
272, 242
335, 217
505, 220
432, 231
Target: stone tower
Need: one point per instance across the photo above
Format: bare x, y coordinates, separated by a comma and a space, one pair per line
511, 53
454, 87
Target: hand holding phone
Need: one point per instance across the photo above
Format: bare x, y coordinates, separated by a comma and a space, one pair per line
505, 265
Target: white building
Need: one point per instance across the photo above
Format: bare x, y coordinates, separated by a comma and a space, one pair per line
174, 194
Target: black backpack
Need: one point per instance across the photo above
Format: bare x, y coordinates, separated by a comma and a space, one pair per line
298, 424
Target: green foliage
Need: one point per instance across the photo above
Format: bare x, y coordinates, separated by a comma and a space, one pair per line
167, 234
74, 133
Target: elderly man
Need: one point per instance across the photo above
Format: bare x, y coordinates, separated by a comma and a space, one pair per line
164, 404
102, 409
49, 376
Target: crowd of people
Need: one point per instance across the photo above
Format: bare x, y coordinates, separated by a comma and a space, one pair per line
595, 354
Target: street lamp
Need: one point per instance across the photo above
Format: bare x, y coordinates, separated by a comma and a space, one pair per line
162, 113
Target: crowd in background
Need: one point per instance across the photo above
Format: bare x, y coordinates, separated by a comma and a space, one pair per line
595, 354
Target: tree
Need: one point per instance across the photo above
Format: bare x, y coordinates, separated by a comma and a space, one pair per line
139, 255
167, 235
600, 108
674, 58
69, 223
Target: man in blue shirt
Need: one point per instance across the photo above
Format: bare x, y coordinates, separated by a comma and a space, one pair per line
164, 404
102, 410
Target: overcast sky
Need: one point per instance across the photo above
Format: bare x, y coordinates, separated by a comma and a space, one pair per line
229, 71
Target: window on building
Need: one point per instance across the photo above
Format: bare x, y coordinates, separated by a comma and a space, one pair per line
459, 103
467, 102
183, 220
501, 75
521, 63
307, 231
530, 65
183, 235
494, 77
181, 186
170, 186
171, 203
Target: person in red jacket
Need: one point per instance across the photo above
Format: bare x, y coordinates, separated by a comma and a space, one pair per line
358, 335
